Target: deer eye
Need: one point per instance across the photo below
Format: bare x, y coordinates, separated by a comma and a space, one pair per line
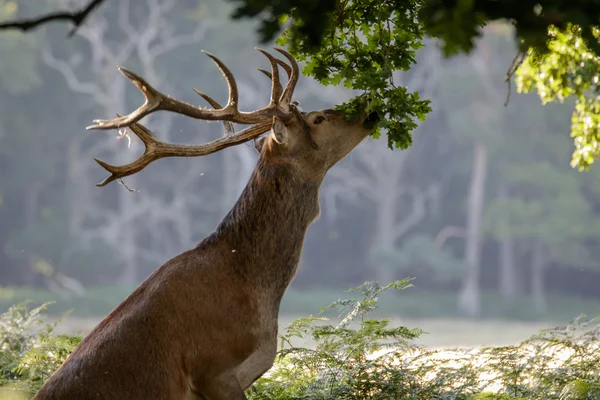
318, 120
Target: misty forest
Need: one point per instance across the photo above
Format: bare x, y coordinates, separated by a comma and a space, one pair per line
477, 202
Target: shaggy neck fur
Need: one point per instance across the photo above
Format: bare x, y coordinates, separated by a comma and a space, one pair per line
264, 231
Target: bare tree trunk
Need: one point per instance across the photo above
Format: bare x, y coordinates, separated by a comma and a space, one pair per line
538, 266
509, 283
469, 301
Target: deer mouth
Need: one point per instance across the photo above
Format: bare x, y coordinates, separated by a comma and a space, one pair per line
371, 120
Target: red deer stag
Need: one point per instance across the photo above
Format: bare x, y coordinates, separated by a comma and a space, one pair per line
204, 325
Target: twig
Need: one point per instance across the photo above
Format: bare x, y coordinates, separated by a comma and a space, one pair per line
76, 18
514, 65
127, 187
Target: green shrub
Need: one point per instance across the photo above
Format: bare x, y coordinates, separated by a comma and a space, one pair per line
29, 353
359, 358
363, 358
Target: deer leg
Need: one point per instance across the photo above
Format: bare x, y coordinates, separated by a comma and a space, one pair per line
257, 364
225, 387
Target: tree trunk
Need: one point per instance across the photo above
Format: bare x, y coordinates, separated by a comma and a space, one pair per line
538, 266
509, 282
469, 301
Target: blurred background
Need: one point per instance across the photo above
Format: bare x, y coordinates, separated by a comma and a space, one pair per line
484, 211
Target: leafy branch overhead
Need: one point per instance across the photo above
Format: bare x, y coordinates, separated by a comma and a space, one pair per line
369, 41
75, 17
456, 23
558, 46
361, 43
570, 69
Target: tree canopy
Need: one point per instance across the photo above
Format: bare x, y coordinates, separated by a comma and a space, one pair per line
360, 43
557, 52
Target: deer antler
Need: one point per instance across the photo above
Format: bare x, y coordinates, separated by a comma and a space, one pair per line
279, 106
156, 149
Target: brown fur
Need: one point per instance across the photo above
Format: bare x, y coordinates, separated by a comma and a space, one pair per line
204, 324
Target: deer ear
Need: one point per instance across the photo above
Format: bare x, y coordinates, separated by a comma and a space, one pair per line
279, 132
259, 143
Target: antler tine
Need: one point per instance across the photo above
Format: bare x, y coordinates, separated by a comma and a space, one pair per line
228, 125
155, 101
150, 144
156, 149
152, 102
233, 90
267, 73
276, 88
285, 67
282, 64
286, 97
261, 120
208, 99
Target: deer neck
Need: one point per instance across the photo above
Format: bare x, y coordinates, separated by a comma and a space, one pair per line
265, 228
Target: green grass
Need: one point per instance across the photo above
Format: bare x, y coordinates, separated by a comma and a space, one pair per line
411, 304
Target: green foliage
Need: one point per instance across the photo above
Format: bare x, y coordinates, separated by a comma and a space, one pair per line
368, 359
358, 358
495, 396
580, 389
344, 364
360, 43
312, 17
28, 351
456, 23
369, 41
570, 69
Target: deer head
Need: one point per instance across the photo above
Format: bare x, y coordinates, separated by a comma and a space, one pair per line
310, 143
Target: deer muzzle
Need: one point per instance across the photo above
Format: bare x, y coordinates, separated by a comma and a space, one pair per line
371, 120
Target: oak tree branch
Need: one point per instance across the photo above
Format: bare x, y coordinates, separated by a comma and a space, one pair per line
76, 17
